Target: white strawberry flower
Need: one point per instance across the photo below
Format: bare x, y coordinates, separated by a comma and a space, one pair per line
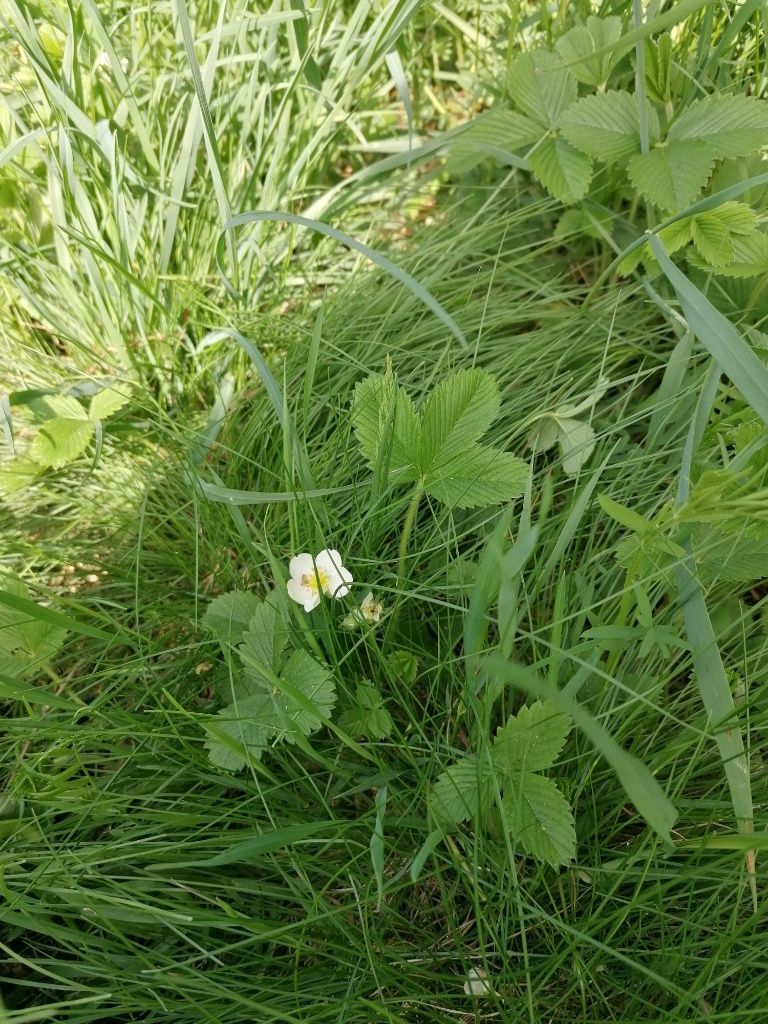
312, 576
371, 609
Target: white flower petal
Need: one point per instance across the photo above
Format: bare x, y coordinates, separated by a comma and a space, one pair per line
329, 560
298, 592
311, 601
301, 565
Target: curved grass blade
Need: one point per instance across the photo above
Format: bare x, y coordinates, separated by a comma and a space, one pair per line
375, 257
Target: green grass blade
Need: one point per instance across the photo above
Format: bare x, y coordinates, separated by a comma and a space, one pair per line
718, 335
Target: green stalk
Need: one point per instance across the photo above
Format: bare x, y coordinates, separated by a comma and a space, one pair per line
410, 518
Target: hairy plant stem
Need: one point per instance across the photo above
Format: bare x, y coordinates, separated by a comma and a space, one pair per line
410, 518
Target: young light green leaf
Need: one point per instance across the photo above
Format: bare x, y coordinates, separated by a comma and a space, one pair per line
540, 85
561, 169
59, 441
106, 403
606, 127
577, 442
479, 476
671, 176
626, 516
48, 407
750, 256
18, 473
721, 555
228, 616
461, 792
538, 816
731, 126
458, 412
26, 642
530, 740
577, 48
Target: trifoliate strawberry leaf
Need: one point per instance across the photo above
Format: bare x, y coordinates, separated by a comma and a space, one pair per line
59, 441
563, 170
672, 175
606, 127
299, 700
228, 616
540, 86
538, 816
730, 126
712, 239
531, 739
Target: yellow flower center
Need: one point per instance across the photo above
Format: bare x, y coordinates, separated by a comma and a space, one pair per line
312, 579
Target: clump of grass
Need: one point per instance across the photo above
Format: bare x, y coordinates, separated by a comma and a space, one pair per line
140, 881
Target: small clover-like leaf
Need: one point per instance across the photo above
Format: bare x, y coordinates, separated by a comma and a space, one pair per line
479, 476
562, 169
540, 86
457, 413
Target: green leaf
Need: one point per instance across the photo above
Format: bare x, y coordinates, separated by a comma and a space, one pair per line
606, 127
538, 816
228, 616
577, 442
369, 717
712, 238
457, 413
59, 441
540, 85
561, 169
750, 256
237, 734
265, 639
577, 48
494, 134
27, 640
626, 516
640, 785
106, 403
479, 476
18, 473
718, 335
531, 739
671, 176
734, 557
730, 126
51, 407
301, 699
382, 413
461, 792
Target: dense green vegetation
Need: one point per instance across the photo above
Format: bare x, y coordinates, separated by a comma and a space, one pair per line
470, 296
